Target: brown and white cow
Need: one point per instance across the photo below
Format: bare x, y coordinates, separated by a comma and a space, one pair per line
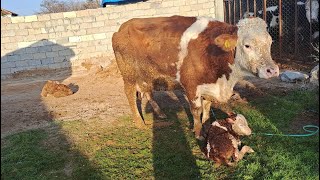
206, 57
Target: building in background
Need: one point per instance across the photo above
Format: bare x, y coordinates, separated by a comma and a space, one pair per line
6, 13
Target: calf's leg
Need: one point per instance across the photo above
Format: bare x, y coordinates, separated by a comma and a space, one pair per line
239, 155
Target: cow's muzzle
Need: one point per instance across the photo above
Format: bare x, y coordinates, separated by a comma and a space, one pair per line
268, 71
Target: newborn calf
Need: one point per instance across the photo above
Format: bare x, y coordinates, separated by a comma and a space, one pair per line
55, 89
223, 140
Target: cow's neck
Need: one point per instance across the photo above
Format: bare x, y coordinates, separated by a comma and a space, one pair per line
222, 89
235, 76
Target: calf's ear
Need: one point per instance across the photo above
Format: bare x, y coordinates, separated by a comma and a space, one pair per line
226, 42
231, 114
229, 120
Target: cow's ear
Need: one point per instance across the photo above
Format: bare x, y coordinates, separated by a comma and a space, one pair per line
226, 42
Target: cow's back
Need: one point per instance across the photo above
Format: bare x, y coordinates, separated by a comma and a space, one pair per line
148, 47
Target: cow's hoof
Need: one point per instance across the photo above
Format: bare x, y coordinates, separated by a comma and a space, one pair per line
216, 165
139, 124
200, 138
162, 116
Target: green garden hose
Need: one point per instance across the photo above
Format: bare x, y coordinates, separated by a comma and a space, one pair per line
305, 128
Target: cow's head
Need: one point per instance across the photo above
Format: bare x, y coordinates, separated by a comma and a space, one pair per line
312, 10
253, 48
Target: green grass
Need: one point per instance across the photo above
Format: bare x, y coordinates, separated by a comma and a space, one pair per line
24, 157
92, 149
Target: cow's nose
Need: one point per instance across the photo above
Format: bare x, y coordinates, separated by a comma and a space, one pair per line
272, 71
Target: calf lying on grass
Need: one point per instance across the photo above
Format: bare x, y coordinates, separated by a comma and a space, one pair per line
223, 139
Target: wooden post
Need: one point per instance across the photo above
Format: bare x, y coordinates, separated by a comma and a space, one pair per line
280, 27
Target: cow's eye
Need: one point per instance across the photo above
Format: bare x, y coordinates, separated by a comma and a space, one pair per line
247, 46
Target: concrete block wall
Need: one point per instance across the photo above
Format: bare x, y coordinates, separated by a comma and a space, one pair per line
68, 39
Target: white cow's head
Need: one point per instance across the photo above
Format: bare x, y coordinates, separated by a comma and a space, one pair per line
312, 10
248, 15
253, 50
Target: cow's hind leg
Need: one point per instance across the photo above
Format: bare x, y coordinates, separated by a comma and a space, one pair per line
131, 92
155, 106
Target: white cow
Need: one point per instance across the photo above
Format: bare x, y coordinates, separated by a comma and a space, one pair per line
312, 10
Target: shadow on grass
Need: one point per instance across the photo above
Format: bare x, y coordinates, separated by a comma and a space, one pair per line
172, 154
46, 152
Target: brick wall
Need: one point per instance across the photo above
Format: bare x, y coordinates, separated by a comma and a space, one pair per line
68, 39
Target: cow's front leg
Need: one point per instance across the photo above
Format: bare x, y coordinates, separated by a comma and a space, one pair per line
197, 125
206, 105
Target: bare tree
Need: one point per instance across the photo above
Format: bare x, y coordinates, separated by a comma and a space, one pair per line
54, 6
92, 4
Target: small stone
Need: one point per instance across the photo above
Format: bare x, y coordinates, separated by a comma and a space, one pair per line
293, 76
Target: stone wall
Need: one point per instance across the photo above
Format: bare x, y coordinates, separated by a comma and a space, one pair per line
68, 39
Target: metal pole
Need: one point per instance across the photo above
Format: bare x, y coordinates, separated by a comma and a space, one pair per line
247, 5
295, 28
240, 9
310, 31
280, 27
265, 10
254, 8
229, 9
224, 11
234, 12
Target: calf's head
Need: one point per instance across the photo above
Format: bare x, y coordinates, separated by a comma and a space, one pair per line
253, 48
239, 125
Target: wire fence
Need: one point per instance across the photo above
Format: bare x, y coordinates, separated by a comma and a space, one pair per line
292, 24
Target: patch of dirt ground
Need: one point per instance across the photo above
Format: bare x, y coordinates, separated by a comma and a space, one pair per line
98, 94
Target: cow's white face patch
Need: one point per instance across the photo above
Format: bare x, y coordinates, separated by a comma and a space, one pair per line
274, 20
314, 10
253, 52
191, 33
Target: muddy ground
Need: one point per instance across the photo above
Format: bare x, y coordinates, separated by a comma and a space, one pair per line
98, 94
